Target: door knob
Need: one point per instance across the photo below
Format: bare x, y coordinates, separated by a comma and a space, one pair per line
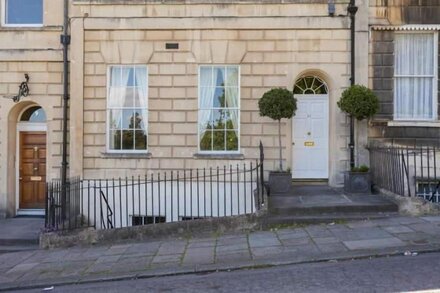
309, 133
21, 178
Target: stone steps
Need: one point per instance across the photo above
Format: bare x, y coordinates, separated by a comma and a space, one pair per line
16, 248
312, 204
292, 206
272, 221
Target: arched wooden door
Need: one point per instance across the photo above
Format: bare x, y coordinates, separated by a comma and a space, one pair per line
32, 159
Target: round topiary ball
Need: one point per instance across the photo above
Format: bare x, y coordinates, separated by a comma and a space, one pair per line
277, 103
359, 101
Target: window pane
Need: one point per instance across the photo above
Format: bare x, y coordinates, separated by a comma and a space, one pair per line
231, 97
34, 114
127, 139
140, 140
218, 140
115, 139
115, 119
24, 11
206, 141
219, 97
127, 119
218, 119
115, 76
128, 76
219, 76
414, 98
128, 97
232, 76
206, 76
205, 120
116, 97
140, 119
231, 141
414, 54
231, 119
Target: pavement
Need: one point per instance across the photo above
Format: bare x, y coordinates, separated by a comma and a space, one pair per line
220, 252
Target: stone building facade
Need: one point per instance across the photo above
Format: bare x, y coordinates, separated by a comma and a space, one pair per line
172, 44
392, 24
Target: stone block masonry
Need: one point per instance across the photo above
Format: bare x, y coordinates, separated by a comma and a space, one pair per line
267, 58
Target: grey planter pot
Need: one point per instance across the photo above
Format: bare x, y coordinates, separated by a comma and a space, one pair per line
357, 182
279, 182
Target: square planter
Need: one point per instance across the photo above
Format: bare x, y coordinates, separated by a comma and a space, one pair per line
279, 182
357, 182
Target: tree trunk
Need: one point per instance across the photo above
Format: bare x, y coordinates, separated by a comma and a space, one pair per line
279, 140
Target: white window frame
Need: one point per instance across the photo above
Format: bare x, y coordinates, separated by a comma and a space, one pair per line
5, 24
107, 109
225, 152
435, 78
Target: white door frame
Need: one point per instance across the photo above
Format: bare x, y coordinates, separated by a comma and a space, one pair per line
309, 97
25, 127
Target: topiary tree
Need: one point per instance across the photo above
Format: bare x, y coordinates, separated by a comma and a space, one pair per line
278, 103
359, 102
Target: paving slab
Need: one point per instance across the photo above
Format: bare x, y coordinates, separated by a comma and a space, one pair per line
398, 229
373, 243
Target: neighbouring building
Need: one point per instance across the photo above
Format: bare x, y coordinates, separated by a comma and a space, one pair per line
404, 71
175, 85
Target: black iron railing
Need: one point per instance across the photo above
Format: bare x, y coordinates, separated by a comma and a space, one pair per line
169, 196
63, 212
407, 171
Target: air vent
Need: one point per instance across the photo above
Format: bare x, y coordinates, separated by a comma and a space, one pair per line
170, 46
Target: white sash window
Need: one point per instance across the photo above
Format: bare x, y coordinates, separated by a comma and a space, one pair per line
415, 76
219, 109
24, 13
127, 109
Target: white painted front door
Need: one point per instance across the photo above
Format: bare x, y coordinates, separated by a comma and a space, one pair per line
310, 133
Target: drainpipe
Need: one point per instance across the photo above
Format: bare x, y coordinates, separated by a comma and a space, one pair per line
352, 9
65, 41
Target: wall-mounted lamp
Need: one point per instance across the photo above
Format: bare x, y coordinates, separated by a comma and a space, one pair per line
23, 90
331, 7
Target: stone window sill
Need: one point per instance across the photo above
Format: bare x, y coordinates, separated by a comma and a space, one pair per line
126, 155
31, 28
395, 123
219, 156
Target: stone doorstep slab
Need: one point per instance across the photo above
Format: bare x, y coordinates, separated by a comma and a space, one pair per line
208, 268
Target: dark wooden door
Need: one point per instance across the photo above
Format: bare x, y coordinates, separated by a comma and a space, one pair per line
32, 173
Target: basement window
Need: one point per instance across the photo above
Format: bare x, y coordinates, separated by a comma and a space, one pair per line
426, 189
147, 220
190, 218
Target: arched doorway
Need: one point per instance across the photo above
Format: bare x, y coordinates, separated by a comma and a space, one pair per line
310, 129
31, 162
